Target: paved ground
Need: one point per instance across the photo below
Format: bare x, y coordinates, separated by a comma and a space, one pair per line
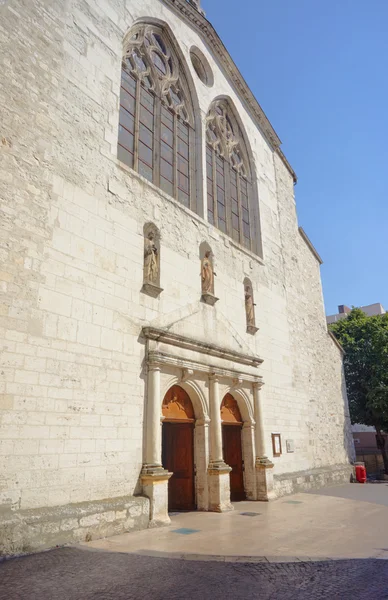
74, 574
285, 552
303, 526
376, 492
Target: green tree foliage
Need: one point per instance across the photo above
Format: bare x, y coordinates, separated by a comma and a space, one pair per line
365, 341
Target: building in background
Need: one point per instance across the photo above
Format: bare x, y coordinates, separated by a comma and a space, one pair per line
153, 278
371, 310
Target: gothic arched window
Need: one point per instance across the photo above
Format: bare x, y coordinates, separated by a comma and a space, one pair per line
156, 124
229, 179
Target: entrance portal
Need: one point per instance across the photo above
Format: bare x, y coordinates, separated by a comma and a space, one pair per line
232, 447
178, 448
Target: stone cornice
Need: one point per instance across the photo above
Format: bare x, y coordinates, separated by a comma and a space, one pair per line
199, 22
156, 359
173, 339
309, 244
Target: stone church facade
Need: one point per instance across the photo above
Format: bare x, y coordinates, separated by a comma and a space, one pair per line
163, 336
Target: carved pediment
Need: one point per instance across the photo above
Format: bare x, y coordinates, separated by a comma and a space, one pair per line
198, 329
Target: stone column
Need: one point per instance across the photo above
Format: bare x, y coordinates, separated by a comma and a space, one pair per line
219, 485
154, 477
264, 474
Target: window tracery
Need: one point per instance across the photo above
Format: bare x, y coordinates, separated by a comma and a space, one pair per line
156, 126
229, 185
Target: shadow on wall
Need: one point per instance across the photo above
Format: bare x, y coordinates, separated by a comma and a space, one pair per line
347, 429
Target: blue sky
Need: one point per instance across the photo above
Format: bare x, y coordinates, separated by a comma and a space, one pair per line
319, 69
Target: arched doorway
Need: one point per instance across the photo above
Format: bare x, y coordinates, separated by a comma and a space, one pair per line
178, 448
232, 446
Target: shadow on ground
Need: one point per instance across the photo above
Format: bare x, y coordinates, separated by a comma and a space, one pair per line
81, 574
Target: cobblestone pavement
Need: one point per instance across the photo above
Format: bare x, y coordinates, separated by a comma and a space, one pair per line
74, 574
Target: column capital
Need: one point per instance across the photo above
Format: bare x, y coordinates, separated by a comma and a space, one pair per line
187, 374
237, 381
257, 385
154, 366
214, 377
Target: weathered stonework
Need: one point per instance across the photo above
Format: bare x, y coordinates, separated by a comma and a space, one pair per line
74, 358
34, 529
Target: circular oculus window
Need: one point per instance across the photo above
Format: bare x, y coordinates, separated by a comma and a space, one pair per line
201, 66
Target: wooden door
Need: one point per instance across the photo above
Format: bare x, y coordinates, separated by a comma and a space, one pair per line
231, 439
178, 458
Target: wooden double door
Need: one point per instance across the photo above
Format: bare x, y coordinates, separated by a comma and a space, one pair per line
178, 458
232, 451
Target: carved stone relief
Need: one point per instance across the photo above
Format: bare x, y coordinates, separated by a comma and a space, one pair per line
249, 307
150, 59
207, 274
151, 272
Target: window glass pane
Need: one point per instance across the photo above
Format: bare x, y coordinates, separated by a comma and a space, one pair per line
147, 99
245, 215
145, 170
183, 166
183, 148
221, 225
167, 135
235, 222
167, 117
166, 186
145, 154
184, 198
127, 101
127, 120
159, 63
166, 170
221, 211
220, 196
125, 156
166, 152
125, 138
209, 170
147, 118
145, 135
183, 182
128, 82
234, 207
183, 131
246, 230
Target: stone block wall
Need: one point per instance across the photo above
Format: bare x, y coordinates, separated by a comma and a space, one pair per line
72, 372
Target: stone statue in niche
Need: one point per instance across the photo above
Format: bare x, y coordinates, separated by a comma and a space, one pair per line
151, 260
151, 270
250, 308
207, 274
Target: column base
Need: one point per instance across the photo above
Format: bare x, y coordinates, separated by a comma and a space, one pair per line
264, 479
155, 486
219, 487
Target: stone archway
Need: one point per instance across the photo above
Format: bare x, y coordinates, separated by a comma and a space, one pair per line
178, 448
232, 446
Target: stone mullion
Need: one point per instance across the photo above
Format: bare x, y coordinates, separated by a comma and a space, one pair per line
192, 182
240, 221
175, 156
215, 188
228, 195
157, 140
137, 127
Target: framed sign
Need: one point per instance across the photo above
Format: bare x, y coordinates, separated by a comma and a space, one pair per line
276, 444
